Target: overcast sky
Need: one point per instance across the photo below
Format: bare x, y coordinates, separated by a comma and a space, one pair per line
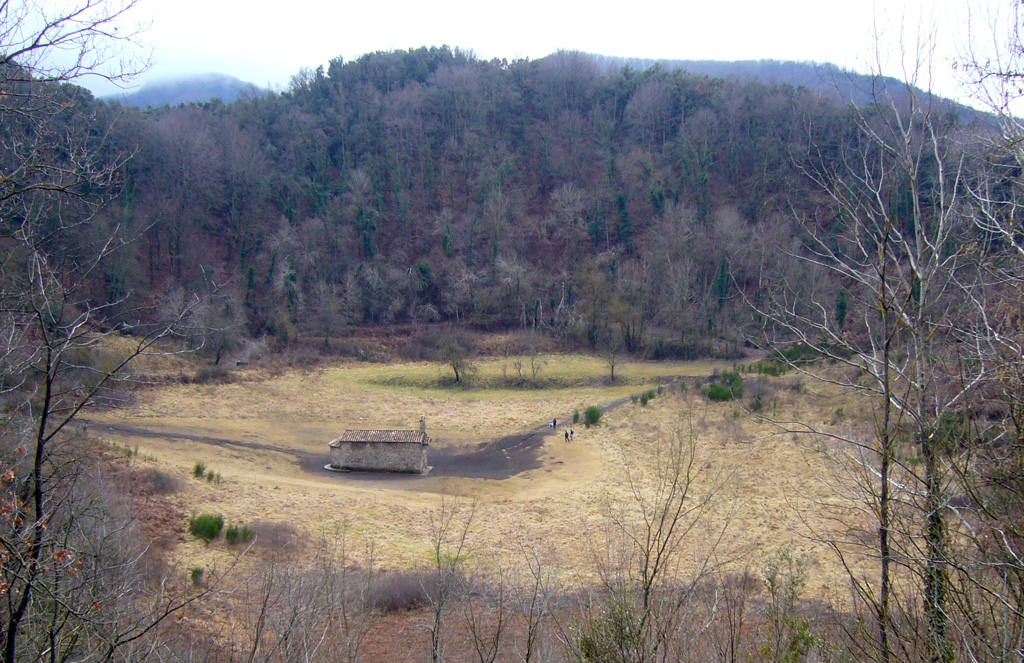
267, 43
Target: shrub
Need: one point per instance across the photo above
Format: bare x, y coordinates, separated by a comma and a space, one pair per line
213, 375
196, 573
395, 592
644, 398
575, 416
274, 536
206, 526
199, 470
235, 534
155, 482
799, 354
718, 392
772, 368
733, 380
728, 386
759, 390
614, 628
591, 416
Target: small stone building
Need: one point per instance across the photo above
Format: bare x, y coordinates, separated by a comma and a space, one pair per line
381, 450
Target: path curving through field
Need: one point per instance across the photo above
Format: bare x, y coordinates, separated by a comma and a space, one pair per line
499, 459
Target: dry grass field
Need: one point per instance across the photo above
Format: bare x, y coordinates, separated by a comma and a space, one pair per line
264, 437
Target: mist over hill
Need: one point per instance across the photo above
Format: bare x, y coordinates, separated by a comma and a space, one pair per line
200, 88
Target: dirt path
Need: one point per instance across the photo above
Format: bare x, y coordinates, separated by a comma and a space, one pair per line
502, 458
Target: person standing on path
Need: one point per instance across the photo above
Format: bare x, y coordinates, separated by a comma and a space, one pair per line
566, 436
572, 433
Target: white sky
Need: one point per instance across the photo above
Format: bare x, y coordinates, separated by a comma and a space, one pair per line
267, 43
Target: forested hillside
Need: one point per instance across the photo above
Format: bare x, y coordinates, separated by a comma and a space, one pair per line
632, 208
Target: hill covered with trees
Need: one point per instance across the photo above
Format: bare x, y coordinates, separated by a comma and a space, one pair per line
606, 206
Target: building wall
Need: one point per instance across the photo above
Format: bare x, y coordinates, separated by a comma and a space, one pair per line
380, 457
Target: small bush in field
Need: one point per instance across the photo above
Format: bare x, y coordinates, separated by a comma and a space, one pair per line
206, 526
199, 470
728, 386
575, 416
772, 368
196, 573
718, 392
156, 482
395, 592
235, 534
644, 398
591, 416
275, 536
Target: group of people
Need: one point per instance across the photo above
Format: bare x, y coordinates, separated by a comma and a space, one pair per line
569, 433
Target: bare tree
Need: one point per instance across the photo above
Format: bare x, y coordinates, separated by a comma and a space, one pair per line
319, 611
638, 615
70, 584
534, 597
897, 193
989, 574
449, 528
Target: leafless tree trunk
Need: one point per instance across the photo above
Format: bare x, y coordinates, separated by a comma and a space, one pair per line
449, 528
639, 612
898, 193
70, 586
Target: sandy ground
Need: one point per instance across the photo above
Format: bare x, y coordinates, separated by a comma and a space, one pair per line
266, 437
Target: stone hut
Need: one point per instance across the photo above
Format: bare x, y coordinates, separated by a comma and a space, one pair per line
381, 450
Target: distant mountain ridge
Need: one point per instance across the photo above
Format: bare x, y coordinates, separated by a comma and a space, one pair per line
200, 88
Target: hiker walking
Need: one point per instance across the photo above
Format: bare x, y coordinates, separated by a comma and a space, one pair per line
566, 436
571, 434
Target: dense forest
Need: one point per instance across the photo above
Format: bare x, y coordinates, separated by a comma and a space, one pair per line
557, 195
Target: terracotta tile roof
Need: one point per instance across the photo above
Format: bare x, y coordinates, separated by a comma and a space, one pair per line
400, 436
